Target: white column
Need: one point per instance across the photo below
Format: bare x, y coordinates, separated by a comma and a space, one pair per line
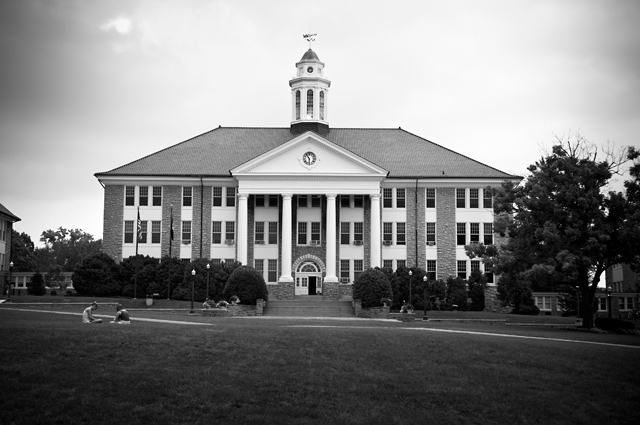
331, 239
243, 216
375, 230
286, 240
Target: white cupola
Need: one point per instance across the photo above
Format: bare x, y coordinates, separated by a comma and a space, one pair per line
309, 96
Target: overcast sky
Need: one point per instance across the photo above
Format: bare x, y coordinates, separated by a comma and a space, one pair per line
87, 86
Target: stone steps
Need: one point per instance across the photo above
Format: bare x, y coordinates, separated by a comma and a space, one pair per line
308, 307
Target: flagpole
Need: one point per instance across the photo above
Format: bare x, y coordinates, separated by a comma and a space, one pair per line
135, 276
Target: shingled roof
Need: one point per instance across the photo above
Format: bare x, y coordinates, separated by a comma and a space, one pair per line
214, 153
8, 215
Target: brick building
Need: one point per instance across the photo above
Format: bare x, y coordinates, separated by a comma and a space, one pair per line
308, 205
7, 218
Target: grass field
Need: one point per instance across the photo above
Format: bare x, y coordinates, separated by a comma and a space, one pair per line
300, 371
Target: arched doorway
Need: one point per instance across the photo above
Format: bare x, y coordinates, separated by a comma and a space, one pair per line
308, 279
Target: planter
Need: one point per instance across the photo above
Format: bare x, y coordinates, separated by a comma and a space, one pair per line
149, 301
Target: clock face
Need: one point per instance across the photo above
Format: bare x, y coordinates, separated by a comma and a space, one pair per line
309, 158
310, 70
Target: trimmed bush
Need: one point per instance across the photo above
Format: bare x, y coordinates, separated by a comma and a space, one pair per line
96, 277
36, 285
247, 284
528, 310
611, 324
371, 287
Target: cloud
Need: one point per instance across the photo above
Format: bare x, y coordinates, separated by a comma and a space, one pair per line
121, 25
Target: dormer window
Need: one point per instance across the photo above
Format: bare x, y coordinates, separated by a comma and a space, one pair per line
309, 103
297, 104
322, 105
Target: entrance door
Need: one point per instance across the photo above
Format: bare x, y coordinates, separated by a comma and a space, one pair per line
312, 285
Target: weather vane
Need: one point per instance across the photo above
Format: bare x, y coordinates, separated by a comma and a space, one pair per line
309, 38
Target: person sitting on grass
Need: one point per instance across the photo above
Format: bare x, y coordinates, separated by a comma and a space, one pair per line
87, 315
122, 316
207, 304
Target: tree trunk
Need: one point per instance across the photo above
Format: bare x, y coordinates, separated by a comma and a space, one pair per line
587, 296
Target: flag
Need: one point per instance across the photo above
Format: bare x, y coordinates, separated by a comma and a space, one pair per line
171, 226
139, 226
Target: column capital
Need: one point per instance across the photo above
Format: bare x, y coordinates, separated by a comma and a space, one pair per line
243, 195
375, 196
331, 196
287, 195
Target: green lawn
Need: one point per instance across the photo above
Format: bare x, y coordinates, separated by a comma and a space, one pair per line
56, 370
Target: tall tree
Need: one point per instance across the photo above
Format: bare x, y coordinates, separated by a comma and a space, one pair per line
66, 248
22, 252
563, 227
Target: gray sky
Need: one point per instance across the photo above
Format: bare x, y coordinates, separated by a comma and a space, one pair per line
87, 85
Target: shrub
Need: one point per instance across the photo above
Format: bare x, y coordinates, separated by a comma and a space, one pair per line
371, 287
95, 277
457, 293
529, 310
614, 325
36, 285
477, 284
247, 284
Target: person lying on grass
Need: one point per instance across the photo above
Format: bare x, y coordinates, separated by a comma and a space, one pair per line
122, 316
87, 315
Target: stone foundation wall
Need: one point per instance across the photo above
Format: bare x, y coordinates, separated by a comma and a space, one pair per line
281, 291
491, 301
370, 313
237, 310
331, 291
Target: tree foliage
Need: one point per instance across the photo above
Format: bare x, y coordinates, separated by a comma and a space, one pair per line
563, 225
371, 287
36, 285
65, 248
246, 283
96, 276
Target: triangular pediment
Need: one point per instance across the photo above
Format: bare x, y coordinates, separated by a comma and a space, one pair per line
309, 155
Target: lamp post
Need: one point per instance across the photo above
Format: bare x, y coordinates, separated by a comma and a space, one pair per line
425, 279
193, 279
208, 267
410, 277
10, 267
609, 301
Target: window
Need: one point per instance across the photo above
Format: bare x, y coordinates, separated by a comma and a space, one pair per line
230, 231
488, 272
322, 105
460, 198
186, 196
431, 234
475, 232
128, 231
358, 201
142, 237
3, 232
602, 304
302, 233
302, 201
358, 268
315, 232
400, 198
543, 303
473, 198
217, 196
401, 237
315, 201
272, 275
156, 231
461, 230
487, 200
309, 103
401, 264
462, 269
345, 233
143, 196
186, 232
358, 232
273, 232
216, 232
387, 233
259, 266
625, 303
129, 195
387, 198
273, 201
387, 264
431, 269
345, 201
157, 196
259, 232
259, 200
431, 198
488, 233
475, 265
344, 270
231, 196
297, 104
